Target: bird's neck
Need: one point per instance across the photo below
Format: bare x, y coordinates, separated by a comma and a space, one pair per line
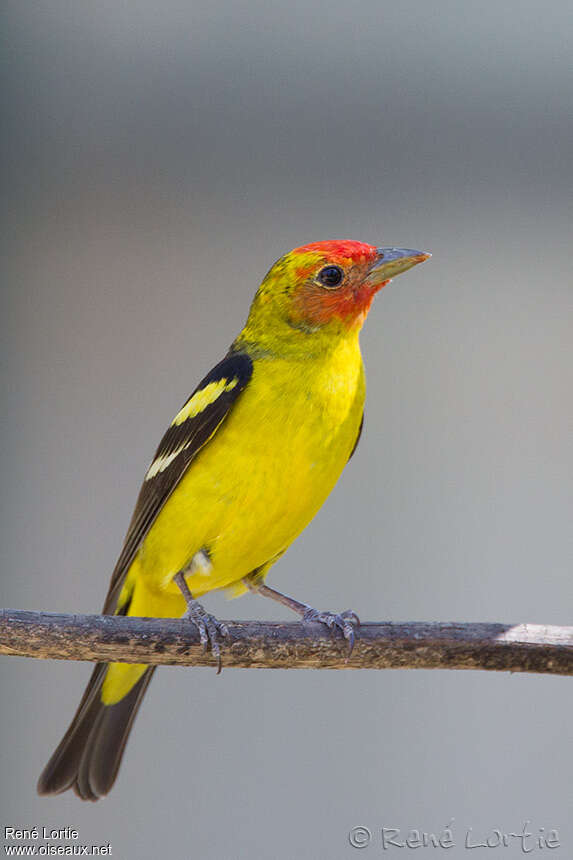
270, 335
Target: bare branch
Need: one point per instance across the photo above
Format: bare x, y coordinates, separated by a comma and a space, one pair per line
271, 645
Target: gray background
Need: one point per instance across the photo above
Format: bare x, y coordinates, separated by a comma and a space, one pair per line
160, 157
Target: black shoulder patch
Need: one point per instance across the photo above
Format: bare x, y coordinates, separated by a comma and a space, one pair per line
224, 383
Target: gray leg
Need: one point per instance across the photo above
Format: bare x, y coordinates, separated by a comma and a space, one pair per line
209, 628
346, 621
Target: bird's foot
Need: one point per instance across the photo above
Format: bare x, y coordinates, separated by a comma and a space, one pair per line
210, 630
347, 622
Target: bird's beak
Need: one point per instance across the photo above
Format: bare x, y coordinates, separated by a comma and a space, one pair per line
391, 262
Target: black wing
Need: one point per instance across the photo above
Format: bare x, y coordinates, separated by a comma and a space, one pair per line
191, 429
358, 435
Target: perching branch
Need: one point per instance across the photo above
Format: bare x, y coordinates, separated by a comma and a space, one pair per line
271, 645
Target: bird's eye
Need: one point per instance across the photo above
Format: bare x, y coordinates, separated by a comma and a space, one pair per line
330, 276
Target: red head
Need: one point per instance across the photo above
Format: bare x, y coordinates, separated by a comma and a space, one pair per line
323, 287
331, 282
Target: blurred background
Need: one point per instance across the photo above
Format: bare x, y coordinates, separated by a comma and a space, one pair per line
158, 158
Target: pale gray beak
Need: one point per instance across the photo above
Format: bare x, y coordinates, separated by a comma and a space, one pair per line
393, 261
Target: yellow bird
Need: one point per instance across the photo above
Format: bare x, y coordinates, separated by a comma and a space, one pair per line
242, 469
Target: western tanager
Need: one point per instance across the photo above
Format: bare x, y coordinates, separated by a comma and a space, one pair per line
244, 466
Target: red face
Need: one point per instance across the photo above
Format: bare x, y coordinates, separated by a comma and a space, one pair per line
337, 280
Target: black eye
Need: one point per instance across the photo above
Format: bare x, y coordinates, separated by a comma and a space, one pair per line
330, 276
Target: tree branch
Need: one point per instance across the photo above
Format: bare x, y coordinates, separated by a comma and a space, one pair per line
272, 645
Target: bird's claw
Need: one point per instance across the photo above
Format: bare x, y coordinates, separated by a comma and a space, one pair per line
210, 630
346, 622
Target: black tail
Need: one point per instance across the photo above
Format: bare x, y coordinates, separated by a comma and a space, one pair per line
89, 755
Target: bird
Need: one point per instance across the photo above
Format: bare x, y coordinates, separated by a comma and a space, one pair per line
240, 472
